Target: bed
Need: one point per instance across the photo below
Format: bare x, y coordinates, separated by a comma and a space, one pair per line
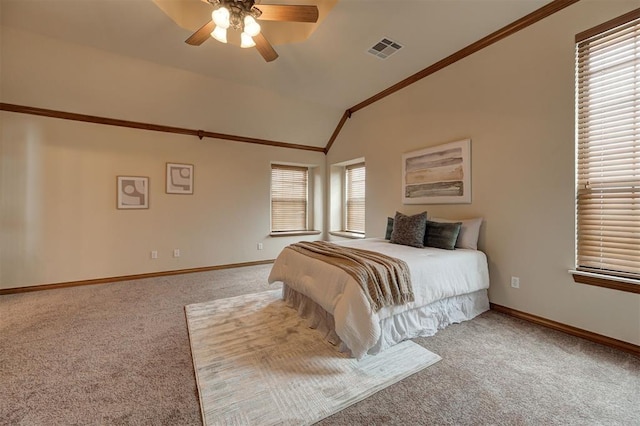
449, 286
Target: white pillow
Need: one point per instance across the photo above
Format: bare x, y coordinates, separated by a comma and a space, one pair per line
469, 231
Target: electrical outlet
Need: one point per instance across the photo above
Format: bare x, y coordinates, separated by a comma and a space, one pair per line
515, 282
176, 252
260, 247
154, 254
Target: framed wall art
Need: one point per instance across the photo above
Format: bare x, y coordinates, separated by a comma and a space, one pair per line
132, 192
437, 175
179, 179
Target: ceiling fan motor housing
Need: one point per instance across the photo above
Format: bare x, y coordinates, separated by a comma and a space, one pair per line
238, 9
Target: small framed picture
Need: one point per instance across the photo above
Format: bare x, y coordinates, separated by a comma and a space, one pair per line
179, 178
132, 192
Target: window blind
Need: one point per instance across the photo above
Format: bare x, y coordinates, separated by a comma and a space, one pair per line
355, 198
289, 192
608, 148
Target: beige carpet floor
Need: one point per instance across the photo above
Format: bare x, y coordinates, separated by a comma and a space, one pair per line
257, 362
118, 354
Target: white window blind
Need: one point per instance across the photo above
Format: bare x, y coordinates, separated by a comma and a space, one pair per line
608, 148
289, 192
355, 198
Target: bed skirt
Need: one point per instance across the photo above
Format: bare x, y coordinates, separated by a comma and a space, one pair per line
419, 322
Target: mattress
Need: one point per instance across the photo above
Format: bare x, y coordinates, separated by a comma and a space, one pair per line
436, 275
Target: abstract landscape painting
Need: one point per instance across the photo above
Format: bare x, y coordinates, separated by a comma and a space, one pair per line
437, 175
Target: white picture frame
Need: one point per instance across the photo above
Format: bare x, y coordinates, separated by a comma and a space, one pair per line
179, 178
132, 192
437, 175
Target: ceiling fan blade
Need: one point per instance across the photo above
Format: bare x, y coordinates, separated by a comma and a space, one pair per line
264, 47
293, 13
202, 35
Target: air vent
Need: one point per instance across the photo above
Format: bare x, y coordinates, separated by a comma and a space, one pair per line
384, 48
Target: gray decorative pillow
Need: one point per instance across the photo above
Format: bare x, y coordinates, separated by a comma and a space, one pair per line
387, 235
442, 235
409, 230
469, 231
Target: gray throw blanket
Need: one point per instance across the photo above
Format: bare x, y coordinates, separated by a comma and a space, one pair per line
385, 280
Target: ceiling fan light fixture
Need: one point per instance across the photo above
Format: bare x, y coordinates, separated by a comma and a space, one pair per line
246, 40
220, 34
241, 15
220, 17
251, 27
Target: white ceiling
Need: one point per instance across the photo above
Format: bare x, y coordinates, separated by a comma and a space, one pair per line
331, 68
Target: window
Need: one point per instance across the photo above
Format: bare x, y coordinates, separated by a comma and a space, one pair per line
354, 178
346, 198
608, 150
289, 198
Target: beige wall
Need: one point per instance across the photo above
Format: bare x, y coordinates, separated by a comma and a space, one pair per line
59, 221
515, 100
57, 177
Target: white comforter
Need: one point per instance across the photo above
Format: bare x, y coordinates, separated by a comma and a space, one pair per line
436, 274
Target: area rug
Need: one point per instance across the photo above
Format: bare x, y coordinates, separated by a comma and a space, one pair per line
258, 363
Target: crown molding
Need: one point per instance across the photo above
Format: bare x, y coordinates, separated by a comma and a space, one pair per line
22, 109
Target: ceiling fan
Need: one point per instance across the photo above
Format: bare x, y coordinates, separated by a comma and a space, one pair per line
241, 15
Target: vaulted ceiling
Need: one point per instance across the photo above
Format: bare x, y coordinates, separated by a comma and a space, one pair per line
328, 64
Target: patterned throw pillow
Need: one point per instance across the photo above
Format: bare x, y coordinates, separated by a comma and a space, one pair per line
409, 230
442, 235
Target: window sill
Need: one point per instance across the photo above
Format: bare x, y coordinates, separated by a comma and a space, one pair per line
346, 234
294, 233
601, 280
